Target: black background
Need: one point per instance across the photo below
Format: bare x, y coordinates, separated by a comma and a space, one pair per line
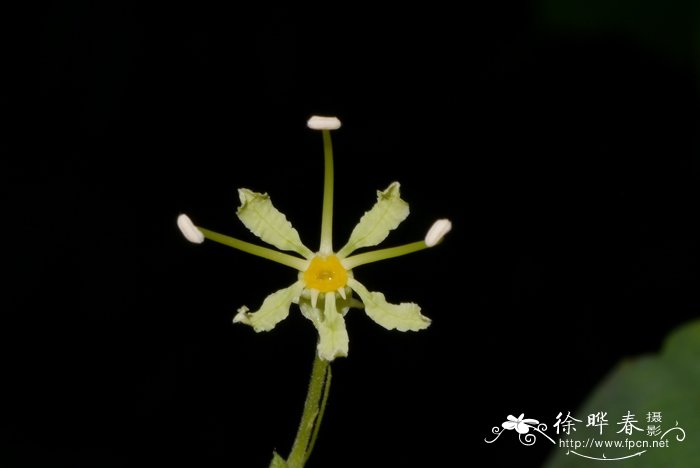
564, 152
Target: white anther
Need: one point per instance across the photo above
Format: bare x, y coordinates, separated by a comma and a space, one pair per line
189, 230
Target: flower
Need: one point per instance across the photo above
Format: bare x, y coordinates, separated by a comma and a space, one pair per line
325, 285
522, 426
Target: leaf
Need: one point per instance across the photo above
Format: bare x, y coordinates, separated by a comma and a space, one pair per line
374, 226
669, 383
277, 461
268, 223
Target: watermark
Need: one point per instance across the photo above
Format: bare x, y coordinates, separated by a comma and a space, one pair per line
625, 435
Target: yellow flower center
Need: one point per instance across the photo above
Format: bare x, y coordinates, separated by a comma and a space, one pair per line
325, 274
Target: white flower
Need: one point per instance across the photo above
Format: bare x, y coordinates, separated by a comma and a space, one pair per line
522, 426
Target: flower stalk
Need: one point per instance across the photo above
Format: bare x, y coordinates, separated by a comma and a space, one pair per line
314, 408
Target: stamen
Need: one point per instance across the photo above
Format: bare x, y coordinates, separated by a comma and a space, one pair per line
189, 230
279, 257
327, 214
437, 231
318, 122
435, 234
382, 254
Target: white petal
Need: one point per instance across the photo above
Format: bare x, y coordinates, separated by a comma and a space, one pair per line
509, 425
522, 428
402, 317
333, 340
376, 224
274, 309
437, 231
189, 230
318, 122
268, 223
341, 291
314, 296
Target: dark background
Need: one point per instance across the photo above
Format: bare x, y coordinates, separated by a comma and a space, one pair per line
560, 137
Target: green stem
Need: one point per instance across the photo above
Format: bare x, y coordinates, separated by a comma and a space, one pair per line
321, 412
314, 407
327, 214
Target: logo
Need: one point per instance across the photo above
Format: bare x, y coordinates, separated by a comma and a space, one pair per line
620, 436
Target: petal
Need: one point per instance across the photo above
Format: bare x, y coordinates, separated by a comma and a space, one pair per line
343, 305
513, 418
522, 428
269, 224
274, 309
333, 340
508, 425
530, 421
404, 316
375, 224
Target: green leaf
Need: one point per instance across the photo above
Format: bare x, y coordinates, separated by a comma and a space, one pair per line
268, 223
277, 461
403, 317
274, 309
664, 27
669, 383
333, 340
375, 225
